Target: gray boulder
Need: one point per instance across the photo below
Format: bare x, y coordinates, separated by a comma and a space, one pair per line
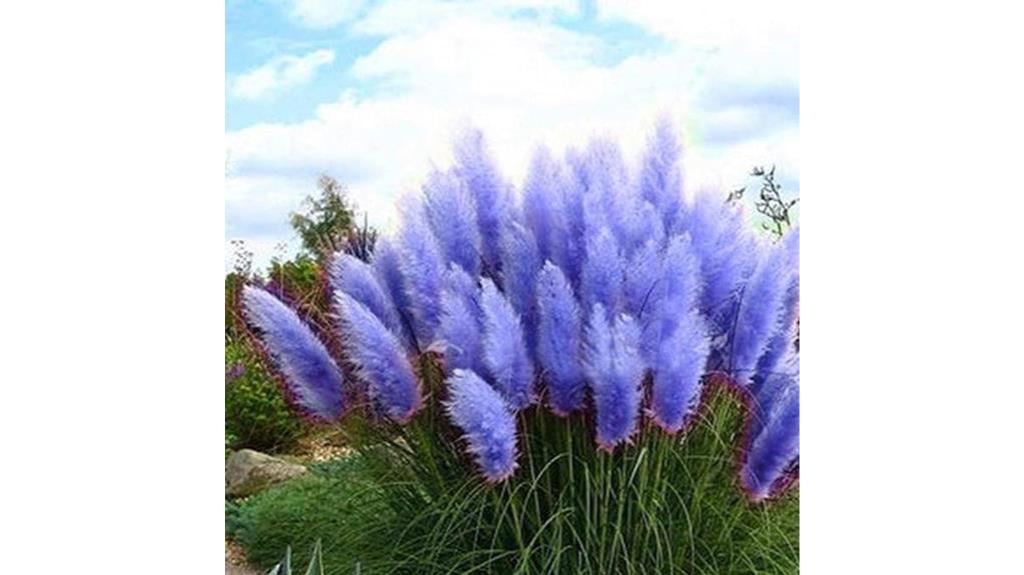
250, 471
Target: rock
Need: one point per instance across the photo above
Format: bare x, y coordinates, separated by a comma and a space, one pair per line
250, 471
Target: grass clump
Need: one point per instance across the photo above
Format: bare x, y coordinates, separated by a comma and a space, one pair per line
406, 503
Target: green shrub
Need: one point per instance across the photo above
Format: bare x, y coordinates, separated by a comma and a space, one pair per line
256, 414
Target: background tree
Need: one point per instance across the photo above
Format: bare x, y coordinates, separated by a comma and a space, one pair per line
328, 224
326, 219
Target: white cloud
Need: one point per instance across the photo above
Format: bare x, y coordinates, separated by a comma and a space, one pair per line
279, 74
323, 13
523, 82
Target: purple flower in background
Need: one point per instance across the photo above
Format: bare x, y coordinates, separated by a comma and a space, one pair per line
313, 379
505, 349
487, 423
615, 371
379, 359
234, 372
452, 216
560, 340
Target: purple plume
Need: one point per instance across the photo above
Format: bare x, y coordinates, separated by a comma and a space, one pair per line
760, 312
520, 264
357, 279
461, 328
559, 340
775, 450
422, 267
568, 248
728, 255
675, 339
615, 371
782, 341
490, 192
542, 203
314, 380
379, 359
505, 349
602, 272
386, 264
452, 216
661, 181
487, 424
642, 274
677, 375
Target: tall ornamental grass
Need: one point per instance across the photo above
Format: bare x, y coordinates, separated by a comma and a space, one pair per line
595, 374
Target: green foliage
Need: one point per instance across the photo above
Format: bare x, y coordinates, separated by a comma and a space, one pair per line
410, 502
327, 224
256, 414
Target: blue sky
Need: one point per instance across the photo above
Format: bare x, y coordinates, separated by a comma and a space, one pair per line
371, 92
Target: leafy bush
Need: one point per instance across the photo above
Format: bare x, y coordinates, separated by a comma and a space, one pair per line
490, 345
256, 414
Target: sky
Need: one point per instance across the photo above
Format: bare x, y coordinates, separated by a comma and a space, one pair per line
372, 92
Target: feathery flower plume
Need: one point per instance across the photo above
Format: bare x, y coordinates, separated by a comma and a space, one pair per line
452, 216
357, 279
782, 342
679, 287
542, 203
520, 264
615, 371
422, 267
490, 193
728, 255
602, 272
505, 349
559, 340
461, 330
675, 339
379, 359
604, 174
642, 274
776, 449
759, 313
386, 264
766, 390
677, 376
641, 224
314, 381
661, 181
488, 425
